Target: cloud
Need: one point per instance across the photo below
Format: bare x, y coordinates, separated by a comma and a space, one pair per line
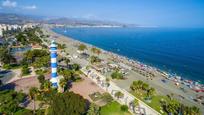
8, 3
32, 7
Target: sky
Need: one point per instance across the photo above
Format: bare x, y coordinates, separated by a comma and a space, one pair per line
161, 13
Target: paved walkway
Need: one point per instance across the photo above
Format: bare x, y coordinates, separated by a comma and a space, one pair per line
127, 99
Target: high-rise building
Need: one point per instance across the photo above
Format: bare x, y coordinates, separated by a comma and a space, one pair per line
53, 52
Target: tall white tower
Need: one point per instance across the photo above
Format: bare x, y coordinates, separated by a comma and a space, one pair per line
53, 53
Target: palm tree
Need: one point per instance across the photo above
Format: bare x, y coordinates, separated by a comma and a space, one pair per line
62, 84
67, 74
67, 61
82, 47
47, 86
5, 56
140, 84
173, 107
93, 110
136, 85
75, 67
32, 94
145, 86
94, 59
195, 110
41, 78
150, 92
119, 94
133, 86
95, 50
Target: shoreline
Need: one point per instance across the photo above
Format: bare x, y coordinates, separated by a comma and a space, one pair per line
173, 76
170, 86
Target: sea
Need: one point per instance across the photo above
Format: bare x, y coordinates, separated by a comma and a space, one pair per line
179, 51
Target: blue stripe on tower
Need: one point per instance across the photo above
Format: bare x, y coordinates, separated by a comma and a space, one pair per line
53, 48
53, 65
54, 74
53, 55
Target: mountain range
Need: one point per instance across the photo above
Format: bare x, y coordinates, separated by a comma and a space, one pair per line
9, 18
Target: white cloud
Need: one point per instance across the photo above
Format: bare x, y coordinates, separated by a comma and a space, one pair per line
32, 7
8, 3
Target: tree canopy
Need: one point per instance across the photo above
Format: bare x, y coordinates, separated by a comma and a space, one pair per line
5, 56
82, 47
25, 70
94, 59
119, 94
141, 86
117, 75
96, 50
29, 36
39, 58
67, 103
9, 101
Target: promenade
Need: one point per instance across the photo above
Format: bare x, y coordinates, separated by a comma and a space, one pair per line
112, 88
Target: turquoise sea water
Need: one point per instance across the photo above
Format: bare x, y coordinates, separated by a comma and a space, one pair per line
179, 51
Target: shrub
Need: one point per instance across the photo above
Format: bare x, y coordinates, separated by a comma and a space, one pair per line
60, 104
6, 66
107, 97
82, 47
40, 71
124, 108
25, 70
41, 79
94, 59
117, 75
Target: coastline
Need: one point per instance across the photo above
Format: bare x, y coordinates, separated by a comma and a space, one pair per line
166, 74
70, 41
176, 62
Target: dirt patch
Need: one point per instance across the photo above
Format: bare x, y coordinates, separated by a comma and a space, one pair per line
85, 88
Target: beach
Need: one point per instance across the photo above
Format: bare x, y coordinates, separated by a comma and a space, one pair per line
161, 82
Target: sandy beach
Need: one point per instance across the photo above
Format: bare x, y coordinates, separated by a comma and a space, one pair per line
163, 88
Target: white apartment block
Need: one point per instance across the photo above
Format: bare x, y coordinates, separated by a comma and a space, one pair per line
5, 27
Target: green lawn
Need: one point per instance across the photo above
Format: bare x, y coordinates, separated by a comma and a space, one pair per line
155, 102
112, 108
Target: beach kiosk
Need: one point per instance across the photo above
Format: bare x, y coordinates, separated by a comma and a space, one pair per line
53, 53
